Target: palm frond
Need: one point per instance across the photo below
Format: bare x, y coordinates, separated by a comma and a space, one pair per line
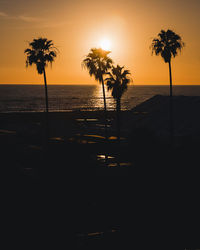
41, 51
167, 44
117, 81
97, 62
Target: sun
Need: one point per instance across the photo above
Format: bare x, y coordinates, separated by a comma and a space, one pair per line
105, 44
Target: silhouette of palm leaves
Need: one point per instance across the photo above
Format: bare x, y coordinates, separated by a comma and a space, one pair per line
118, 81
97, 62
167, 44
40, 52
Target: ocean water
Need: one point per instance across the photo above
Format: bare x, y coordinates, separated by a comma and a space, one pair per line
30, 98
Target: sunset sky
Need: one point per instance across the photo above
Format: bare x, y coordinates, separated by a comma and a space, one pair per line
75, 26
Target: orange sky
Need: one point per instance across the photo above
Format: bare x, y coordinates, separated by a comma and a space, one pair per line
75, 26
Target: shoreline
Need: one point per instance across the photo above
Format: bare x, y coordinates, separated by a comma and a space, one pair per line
71, 179
64, 114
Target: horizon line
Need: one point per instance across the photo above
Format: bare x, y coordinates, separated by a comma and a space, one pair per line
88, 84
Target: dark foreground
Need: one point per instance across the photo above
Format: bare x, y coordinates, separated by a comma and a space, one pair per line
86, 193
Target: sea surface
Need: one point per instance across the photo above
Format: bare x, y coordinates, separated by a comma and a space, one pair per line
30, 98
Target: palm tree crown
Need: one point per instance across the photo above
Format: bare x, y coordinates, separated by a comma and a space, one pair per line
117, 81
97, 62
41, 52
167, 45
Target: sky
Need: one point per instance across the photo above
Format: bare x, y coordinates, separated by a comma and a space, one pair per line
75, 26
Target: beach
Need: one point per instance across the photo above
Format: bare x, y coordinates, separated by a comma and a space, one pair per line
93, 191
70, 173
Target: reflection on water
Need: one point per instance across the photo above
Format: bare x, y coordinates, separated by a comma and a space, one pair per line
97, 101
31, 98
104, 157
121, 164
84, 236
111, 161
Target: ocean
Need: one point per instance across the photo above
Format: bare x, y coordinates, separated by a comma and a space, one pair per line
30, 98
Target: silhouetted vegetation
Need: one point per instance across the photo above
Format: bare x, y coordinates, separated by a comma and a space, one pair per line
167, 44
41, 51
97, 62
117, 81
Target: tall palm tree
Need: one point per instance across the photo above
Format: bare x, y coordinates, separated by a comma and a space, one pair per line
97, 62
117, 82
167, 44
41, 51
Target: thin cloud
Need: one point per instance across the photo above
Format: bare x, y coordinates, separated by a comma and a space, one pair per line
54, 24
2, 14
43, 25
39, 23
27, 19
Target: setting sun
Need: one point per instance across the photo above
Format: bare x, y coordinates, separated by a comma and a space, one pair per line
105, 44
113, 25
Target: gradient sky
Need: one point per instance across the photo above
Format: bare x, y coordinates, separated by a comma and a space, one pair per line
75, 26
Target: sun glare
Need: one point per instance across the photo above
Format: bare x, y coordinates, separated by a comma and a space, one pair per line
105, 44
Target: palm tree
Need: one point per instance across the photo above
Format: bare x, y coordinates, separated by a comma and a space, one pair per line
97, 62
117, 82
41, 52
167, 44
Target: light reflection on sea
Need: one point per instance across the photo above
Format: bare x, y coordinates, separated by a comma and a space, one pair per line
98, 102
30, 98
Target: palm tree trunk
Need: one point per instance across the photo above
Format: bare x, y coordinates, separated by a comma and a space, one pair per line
171, 107
118, 108
46, 91
105, 109
47, 109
